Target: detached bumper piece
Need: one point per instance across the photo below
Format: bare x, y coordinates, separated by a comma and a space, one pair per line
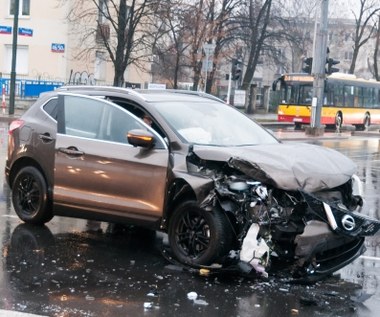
321, 252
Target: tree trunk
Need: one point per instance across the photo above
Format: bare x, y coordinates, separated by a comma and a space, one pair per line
354, 58
376, 53
251, 97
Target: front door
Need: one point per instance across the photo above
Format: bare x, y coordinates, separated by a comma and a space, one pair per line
97, 171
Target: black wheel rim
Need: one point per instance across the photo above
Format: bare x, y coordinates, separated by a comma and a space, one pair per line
28, 195
193, 234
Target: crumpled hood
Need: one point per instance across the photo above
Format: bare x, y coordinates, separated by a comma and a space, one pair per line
287, 166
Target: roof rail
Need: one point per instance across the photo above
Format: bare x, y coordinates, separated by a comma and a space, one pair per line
184, 92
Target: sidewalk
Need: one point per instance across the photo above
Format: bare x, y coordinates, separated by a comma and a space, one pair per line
6, 117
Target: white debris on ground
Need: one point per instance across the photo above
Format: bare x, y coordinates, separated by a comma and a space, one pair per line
194, 297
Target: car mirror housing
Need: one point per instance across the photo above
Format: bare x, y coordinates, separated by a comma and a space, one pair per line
142, 138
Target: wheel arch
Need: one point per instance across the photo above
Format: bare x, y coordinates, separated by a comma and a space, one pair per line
23, 162
367, 115
339, 113
178, 191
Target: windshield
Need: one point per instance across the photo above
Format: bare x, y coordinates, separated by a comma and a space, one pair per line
212, 123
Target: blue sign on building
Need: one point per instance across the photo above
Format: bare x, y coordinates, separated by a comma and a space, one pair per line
5, 29
58, 48
25, 32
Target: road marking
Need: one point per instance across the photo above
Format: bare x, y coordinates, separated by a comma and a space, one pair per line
373, 258
10, 313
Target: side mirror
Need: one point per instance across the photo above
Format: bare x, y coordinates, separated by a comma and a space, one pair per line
139, 137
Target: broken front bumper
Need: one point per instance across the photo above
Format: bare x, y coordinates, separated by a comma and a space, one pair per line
340, 220
333, 241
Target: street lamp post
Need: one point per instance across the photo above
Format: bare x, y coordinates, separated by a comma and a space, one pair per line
209, 50
14, 58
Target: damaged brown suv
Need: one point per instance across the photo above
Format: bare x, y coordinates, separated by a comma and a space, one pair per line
224, 189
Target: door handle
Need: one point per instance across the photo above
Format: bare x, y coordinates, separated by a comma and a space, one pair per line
46, 138
71, 151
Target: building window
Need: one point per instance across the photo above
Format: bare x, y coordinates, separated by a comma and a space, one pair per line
102, 12
22, 65
24, 7
348, 55
100, 66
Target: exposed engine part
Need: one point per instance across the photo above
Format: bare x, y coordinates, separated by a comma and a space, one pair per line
271, 223
255, 251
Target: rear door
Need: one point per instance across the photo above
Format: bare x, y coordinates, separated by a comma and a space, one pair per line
97, 171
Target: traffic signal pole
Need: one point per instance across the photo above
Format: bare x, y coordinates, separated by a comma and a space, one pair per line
318, 70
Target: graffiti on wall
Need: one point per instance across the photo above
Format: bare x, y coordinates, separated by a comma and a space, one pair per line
81, 78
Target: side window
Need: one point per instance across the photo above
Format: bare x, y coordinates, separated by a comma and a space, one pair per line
82, 116
96, 119
349, 99
51, 107
116, 125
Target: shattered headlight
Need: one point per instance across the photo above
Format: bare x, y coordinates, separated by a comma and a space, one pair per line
357, 186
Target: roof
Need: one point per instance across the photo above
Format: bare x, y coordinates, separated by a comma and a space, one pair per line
149, 95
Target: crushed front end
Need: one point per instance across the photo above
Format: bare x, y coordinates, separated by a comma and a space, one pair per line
293, 233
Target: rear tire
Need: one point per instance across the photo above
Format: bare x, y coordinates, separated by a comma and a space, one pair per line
297, 126
366, 123
30, 198
197, 236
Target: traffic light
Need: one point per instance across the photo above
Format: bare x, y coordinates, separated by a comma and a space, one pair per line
330, 63
308, 63
236, 69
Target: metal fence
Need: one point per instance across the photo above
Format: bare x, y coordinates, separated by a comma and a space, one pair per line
29, 88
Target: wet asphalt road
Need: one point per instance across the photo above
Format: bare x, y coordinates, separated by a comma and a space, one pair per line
77, 268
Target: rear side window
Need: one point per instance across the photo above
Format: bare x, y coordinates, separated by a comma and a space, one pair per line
51, 107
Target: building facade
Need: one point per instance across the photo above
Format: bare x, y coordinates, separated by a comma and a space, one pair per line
48, 45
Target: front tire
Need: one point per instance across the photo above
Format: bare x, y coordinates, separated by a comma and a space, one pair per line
197, 236
367, 122
30, 198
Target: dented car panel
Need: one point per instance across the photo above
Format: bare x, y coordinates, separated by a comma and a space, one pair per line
287, 166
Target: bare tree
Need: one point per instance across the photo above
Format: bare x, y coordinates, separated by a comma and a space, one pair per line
170, 41
182, 29
198, 33
253, 20
114, 26
207, 23
363, 28
220, 34
294, 40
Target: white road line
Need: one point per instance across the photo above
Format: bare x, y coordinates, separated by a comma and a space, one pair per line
373, 258
10, 313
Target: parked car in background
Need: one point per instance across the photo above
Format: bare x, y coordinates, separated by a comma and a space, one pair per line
223, 188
